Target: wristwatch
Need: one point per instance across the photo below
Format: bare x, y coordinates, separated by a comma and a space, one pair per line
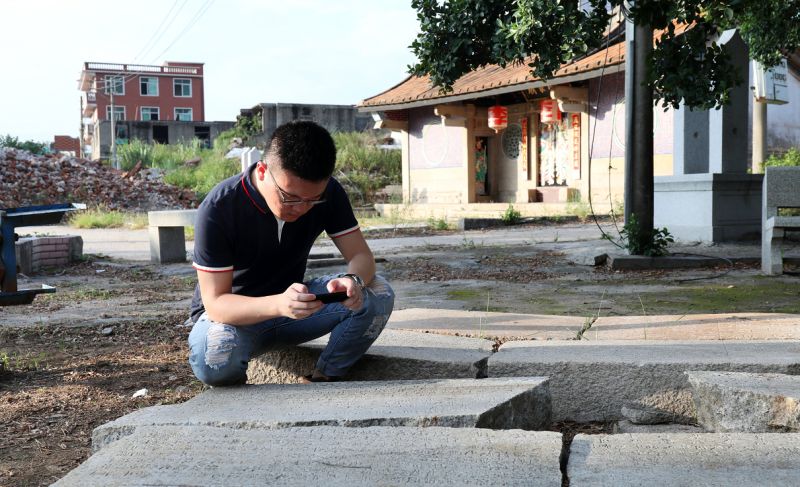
356, 278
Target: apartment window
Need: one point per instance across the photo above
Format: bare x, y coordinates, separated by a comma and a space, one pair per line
182, 87
119, 112
148, 86
149, 113
114, 84
183, 114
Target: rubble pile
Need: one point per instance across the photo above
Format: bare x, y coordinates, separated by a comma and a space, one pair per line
27, 180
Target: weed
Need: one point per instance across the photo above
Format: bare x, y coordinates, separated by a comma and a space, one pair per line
438, 224
651, 242
467, 243
102, 218
92, 293
511, 216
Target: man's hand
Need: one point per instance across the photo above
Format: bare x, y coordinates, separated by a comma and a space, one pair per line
355, 296
296, 302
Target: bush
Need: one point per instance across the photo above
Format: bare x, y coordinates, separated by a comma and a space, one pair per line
790, 158
37, 148
362, 167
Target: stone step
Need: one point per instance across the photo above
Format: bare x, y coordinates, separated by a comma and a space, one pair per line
591, 381
323, 455
396, 355
687, 459
746, 402
504, 403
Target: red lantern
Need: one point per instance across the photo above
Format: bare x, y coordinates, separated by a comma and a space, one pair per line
498, 118
550, 112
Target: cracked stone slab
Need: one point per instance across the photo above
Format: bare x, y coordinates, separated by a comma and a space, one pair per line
504, 403
685, 459
395, 355
323, 455
746, 402
483, 324
591, 381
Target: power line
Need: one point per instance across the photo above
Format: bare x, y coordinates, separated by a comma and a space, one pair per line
159, 32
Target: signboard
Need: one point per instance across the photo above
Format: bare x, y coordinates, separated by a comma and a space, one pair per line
771, 86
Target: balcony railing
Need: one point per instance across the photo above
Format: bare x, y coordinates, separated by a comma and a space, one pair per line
142, 68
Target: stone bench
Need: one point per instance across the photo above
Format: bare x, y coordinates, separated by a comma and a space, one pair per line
167, 238
780, 191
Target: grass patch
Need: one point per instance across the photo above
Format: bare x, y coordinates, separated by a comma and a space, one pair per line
102, 218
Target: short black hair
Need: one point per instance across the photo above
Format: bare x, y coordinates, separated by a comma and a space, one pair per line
303, 148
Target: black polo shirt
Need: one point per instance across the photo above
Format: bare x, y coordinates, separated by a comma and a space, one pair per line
236, 231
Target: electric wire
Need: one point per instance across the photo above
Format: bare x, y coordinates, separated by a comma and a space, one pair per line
591, 148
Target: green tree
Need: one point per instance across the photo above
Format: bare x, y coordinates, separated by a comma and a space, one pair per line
459, 36
685, 66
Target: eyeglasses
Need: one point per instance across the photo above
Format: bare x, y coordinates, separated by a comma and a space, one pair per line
289, 199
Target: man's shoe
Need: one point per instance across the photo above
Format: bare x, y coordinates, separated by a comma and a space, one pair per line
311, 378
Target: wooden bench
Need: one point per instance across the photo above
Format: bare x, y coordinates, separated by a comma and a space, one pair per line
781, 190
167, 238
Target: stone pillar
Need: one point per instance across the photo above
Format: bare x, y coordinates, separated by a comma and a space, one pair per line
690, 141
250, 156
727, 151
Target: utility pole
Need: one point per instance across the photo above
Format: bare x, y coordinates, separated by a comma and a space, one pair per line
638, 128
114, 162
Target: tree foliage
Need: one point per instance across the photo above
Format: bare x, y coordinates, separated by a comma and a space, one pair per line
459, 36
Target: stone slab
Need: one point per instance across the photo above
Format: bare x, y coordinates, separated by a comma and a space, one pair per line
395, 355
679, 459
504, 403
481, 324
590, 381
745, 402
330, 456
724, 326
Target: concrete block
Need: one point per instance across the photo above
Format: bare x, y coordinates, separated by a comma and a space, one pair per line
167, 244
745, 402
590, 381
513, 403
24, 255
395, 355
680, 459
329, 456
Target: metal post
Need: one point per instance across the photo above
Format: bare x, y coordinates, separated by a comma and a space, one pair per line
114, 162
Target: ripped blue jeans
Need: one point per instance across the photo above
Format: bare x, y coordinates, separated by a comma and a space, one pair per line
219, 353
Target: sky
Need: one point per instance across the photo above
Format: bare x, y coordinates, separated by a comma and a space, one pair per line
255, 51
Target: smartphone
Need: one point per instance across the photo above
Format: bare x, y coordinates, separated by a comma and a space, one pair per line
332, 297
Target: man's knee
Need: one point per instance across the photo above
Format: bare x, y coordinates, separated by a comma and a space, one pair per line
379, 305
216, 358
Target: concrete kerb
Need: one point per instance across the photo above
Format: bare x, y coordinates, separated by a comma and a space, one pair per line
506, 403
323, 455
686, 459
591, 381
745, 402
396, 355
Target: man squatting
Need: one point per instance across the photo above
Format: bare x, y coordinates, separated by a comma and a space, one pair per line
253, 235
